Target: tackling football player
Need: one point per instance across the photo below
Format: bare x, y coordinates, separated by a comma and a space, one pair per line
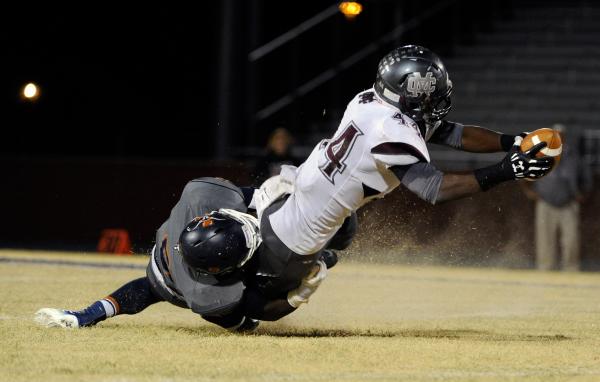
207, 258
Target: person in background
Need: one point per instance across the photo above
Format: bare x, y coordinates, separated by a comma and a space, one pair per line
558, 197
278, 153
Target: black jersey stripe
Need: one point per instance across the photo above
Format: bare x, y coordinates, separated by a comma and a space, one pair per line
398, 148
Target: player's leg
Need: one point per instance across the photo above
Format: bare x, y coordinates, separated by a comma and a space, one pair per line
569, 238
546, 226
259, 306
279, 268
340, 241
345, 234
131, 298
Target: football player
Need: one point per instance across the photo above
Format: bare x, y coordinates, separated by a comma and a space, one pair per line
381, 142
206, 258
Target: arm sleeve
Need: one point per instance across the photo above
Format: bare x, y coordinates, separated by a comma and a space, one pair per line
229, 321
257, 306
449, 134
422, 179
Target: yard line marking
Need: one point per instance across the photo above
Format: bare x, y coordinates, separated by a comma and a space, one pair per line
70, 263
481, 281
508, 283
85, 264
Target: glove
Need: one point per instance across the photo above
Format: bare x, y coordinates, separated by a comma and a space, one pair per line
308, 286
526, 164
515, 165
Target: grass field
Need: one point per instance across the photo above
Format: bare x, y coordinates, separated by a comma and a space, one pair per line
367, 322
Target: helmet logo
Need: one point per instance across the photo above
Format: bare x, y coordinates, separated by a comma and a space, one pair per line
418, 85
204, 221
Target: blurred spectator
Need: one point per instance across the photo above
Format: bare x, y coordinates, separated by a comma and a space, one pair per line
558, 196
279, 152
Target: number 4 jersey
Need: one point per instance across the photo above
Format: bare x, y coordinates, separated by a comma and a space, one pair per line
347, 171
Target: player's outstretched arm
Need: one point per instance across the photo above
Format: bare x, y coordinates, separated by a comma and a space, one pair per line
471, 138
477, 139
434, 186
516, 165
456, 186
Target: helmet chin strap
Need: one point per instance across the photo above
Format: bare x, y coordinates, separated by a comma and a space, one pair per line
249, 227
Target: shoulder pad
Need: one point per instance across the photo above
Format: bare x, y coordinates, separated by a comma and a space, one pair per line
399, 142
212, 194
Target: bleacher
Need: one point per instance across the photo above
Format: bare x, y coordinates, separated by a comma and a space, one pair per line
534, 70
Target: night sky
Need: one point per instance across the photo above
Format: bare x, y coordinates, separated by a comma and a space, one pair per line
145, 82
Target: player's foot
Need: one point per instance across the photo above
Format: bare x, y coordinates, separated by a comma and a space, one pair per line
51, 318
71, 318
329, 257
248, 325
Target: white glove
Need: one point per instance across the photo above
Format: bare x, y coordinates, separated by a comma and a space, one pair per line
308, 286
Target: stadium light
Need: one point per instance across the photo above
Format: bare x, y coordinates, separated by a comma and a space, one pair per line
31, 91
350, 9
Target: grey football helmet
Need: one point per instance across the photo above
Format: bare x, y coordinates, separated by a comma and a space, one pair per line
414, 79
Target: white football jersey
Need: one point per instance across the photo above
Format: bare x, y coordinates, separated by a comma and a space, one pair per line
347, 171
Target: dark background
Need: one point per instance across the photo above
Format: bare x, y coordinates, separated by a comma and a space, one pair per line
163, 82
136, 101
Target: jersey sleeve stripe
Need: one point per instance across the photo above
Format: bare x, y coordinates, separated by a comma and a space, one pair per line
398, 148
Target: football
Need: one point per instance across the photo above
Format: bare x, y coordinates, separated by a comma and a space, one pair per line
551, 137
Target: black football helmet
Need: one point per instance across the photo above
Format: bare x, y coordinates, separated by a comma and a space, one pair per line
414, 79
214, 244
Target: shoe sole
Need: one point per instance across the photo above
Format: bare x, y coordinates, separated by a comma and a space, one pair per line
55, 318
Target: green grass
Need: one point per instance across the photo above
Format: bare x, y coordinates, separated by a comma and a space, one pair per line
367, 322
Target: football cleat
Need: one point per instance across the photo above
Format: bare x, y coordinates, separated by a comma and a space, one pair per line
329, 257
53, 318
249, 325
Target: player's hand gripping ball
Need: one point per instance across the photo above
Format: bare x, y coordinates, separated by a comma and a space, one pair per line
531, 158
553, 143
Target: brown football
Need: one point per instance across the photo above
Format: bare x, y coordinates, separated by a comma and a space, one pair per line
551, 137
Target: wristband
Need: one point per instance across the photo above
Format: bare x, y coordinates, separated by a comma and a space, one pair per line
493, 175
506, 141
